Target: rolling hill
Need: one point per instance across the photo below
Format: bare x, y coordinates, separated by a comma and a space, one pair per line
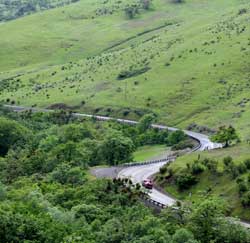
186, 62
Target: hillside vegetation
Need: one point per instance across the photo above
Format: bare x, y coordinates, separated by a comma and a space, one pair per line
186, 62
12, 9
48, 195
221, 173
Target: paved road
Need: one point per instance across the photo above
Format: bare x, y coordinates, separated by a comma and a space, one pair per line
204, 140
138, 173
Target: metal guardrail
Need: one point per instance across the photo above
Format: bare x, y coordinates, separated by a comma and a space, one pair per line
155, 203
168, 159
129, 122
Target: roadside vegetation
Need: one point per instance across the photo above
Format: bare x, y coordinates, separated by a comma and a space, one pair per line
222, 173
47, 195
148, 152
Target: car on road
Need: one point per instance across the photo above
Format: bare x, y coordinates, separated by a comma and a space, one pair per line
148, 184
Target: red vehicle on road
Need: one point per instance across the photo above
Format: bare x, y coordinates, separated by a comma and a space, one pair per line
148, 184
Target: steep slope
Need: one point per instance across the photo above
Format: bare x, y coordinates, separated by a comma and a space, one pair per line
186, 62
221, 183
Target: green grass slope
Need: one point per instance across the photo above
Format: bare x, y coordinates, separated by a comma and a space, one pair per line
211, 184
12, 9
186, 62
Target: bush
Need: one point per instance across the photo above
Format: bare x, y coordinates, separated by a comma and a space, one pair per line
245, 200
247, 163
242, 11
132, 73
64, 174
11, 134
183, 145
210, 164
242, 168
197, 168
185, 181
242, 187
227, 160
163, 170
233, 170
176, 137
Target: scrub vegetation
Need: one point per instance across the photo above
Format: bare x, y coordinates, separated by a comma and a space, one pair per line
184, 63
221, 173
47, 194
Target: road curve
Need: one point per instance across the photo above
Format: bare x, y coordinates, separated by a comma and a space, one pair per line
205, 142
138, 173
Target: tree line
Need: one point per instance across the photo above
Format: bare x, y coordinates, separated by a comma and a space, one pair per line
48, 195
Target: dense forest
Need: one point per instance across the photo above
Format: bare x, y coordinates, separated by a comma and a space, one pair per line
48, 195
12, 9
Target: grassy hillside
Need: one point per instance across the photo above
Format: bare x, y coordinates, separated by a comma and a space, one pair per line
148, 152
186, 62
12, 9
220, 184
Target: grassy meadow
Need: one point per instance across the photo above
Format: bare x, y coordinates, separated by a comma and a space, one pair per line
149, 152
185, 62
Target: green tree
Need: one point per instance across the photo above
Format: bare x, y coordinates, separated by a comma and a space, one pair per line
231, 231
11, 134
64, 174
131, 11
146, 4
176, 137
116, 148
183, 236
204, 219
146, 122
225, 135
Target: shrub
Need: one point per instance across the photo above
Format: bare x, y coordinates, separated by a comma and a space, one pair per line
227, 160
132, 73
163, 170
210, 164
146, 4
185, 181
131, 11
183, 145
11, 134
245, 200
242, 187
170, 172
197, 168
177, 1
176, 137
242, 168
242, 11
233, 170
247, 163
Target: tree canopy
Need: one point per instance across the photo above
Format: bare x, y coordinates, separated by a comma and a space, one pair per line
226, 135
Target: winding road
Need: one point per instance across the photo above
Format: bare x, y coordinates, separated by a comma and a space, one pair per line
138, 173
